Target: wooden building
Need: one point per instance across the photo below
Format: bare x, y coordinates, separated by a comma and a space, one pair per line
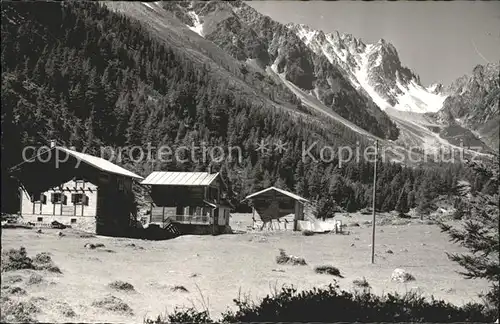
274, 203
189, 200
77, 189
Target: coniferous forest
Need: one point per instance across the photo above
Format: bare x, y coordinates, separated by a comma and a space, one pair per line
88, 77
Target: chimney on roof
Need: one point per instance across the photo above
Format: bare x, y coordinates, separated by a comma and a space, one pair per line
52, 143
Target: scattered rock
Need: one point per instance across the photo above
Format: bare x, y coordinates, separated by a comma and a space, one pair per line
278, 270
39, 231
89, 246
92, 246
352, 245
404, 250
423, 244
401, 275
356, 238
61, 234
307, 233
381, 231
355, 224
283, 258
448, 290
194, 275
389, 252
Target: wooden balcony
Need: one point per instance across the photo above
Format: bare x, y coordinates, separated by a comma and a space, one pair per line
163, 215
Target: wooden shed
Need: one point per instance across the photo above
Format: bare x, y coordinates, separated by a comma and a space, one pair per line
274, 203
77, 189
190, 200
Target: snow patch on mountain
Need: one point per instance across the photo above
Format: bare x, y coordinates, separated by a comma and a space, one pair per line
198, 26
363, 63
362, 78
417, 99
156, 6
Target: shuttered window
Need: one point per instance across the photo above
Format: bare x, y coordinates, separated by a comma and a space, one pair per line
80, 199
42, 198
58, 198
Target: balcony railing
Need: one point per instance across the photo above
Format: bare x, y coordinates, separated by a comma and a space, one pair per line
190, 219
162, 215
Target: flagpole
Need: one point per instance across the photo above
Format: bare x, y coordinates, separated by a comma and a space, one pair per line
373, 200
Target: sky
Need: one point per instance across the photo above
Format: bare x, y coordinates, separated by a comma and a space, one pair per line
440, 41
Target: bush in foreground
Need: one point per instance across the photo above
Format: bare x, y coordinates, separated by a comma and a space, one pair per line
330, 305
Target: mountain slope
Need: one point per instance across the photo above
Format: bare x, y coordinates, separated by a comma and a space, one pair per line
249, 36
473, 103
353, 79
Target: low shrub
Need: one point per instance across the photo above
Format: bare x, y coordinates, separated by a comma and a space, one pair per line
361, 283
18, 311
43, 261
66, 310
333, 305
179, 288
16, 260
113, 304
15, 291
190, 315
328, 269
121, 285
34, 279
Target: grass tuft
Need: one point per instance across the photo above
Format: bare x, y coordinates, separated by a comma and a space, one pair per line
361, 283
113, 304
121, 285
180, 288
328, 269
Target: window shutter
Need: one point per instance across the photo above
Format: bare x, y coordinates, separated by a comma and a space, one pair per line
52, 197
64, 199
43, 199
73, 198
85, 200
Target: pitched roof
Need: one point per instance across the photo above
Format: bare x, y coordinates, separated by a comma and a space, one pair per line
99, 163
287, 193
180, 178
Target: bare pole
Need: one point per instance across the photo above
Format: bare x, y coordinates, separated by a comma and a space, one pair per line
373, 200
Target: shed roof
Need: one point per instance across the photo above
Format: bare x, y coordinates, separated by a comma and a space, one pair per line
163, 178
287, 193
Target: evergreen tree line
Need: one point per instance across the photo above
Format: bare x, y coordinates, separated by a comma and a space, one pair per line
88, 77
